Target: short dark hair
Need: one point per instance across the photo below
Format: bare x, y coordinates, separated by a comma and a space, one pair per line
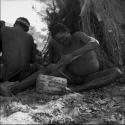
23, 22
59, 27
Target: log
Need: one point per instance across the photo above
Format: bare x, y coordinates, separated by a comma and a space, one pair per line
50, 84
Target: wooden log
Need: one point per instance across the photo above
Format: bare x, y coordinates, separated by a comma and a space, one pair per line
50, 84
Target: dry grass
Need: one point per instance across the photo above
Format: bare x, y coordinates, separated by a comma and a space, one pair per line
96, 106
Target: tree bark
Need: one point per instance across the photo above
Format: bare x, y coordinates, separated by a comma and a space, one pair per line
102, 19
111, 15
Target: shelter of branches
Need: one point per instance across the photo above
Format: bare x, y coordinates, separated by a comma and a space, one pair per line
102, 19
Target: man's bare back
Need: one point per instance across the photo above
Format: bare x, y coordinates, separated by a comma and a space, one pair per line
17, 47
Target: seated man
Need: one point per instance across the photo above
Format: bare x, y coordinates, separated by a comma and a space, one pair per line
77, 44
17, 49
76, 51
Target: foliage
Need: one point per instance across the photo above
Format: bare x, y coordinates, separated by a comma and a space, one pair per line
39, 39
69, 16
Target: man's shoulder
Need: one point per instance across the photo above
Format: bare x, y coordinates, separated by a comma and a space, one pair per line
51, 40
79, 34
82, 37
29, 35
6, 28
8, 31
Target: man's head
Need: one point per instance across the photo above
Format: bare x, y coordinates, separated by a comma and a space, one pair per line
23, 22
2, 23
61, 33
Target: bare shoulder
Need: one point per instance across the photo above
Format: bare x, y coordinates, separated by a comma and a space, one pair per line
30, 37
52, 41
82, 37
7, 31
6, 28
79, 34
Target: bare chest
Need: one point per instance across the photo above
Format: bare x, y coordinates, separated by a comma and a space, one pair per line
74, 46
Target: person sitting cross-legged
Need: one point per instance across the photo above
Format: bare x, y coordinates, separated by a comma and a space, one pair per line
77, 52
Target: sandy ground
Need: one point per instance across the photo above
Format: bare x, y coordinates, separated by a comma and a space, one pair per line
105, 105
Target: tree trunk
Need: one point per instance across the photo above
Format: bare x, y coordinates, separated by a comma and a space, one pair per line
102, 19
109, 16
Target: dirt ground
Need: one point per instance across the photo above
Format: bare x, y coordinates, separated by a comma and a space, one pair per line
102, 106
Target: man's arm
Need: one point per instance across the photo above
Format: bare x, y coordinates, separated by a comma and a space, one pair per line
90, 45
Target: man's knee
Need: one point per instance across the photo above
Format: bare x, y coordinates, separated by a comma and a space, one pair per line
116, 72
116, 69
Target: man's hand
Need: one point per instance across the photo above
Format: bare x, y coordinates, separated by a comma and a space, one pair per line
65, 59
94, 40
51, 68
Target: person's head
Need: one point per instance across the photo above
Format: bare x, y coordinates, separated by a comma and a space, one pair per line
23, 22
2, 23
61, 33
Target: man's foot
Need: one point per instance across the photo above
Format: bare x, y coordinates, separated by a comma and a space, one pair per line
5, 88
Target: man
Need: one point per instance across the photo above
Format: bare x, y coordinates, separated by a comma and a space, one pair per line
65, 44
76, 51
71, 57
17, 49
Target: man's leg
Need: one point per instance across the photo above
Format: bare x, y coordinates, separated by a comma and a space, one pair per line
26, 83
15, 87
28, 70
99, 79
1, 74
